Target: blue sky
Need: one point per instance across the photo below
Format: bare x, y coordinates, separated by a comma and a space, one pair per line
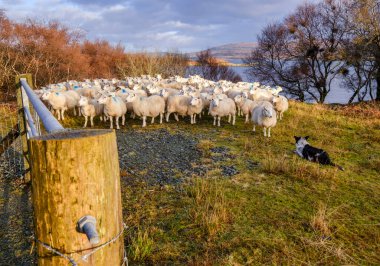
158, 25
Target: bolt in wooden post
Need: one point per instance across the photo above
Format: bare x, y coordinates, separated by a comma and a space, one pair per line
76, 173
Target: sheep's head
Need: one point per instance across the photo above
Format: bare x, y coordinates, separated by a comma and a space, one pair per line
238, 98
83, 101
164, 93
195, 101
245, 94
276, 99
268, 111
131, 97
103, 99
215, 101
225, 88
46, 95
218, 90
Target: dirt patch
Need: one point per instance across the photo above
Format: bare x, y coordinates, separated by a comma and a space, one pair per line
158, 157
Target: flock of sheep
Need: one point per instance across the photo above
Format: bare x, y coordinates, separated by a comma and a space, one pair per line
148, 96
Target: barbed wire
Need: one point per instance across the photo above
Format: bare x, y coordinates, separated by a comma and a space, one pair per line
94, 250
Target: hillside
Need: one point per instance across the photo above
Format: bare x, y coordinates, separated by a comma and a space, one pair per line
230, 52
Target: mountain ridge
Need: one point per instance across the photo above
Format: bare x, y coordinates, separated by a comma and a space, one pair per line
229, 52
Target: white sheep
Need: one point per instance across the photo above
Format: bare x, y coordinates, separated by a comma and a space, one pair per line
177, 104
281, 105
113, 107
57, 101
195, 108
223, 107
90, 108
245, 105
144, 107
264, 114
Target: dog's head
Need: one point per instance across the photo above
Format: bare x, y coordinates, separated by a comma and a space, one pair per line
301, 141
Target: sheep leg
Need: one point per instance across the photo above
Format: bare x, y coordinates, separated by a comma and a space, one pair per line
117, 122
144, 121
176, 117
195, 118
268, 132
152, 120
111, 122
281, 115
62, 114
254, 127
214, 121
58, 114
123, 120
229, 118
265, 131
167, 116
75, 112
85, 121
161, 116
92, 121
246, 118
233, 119
219, 121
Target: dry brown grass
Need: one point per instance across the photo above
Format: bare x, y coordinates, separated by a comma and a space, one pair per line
296, 167
319, 221
209, 210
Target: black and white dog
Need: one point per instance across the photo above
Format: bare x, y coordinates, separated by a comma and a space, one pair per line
312, 154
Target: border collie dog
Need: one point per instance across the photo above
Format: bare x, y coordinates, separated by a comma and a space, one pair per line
312, 154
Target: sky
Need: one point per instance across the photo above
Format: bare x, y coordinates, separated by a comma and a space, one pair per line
158, 25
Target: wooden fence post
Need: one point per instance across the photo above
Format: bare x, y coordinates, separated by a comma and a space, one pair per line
22, 123
76, 173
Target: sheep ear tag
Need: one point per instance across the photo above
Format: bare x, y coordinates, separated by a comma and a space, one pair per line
123, 90
114, 98
57, 93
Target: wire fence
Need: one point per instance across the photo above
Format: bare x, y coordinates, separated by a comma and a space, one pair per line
11, 149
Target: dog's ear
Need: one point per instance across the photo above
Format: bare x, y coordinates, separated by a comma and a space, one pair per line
306, 137
297, 138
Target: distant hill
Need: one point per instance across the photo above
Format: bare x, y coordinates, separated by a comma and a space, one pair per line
230, 52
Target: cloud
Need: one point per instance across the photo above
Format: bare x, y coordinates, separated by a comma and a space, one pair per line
159, 24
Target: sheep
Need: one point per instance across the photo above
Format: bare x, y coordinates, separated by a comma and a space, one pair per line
264, 114
259, 94
61, 101
90, 108
151, 106
195, 107
114, 107
245, 105
281, 105
223, 107
177, 104
166, 92
57, 101
72, 100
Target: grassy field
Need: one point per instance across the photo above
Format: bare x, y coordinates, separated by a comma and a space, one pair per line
279, 209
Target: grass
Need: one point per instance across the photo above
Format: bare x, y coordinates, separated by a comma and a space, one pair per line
284, 210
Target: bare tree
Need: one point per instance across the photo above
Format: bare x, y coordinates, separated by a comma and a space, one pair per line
210, 68
364, 18
302, 53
